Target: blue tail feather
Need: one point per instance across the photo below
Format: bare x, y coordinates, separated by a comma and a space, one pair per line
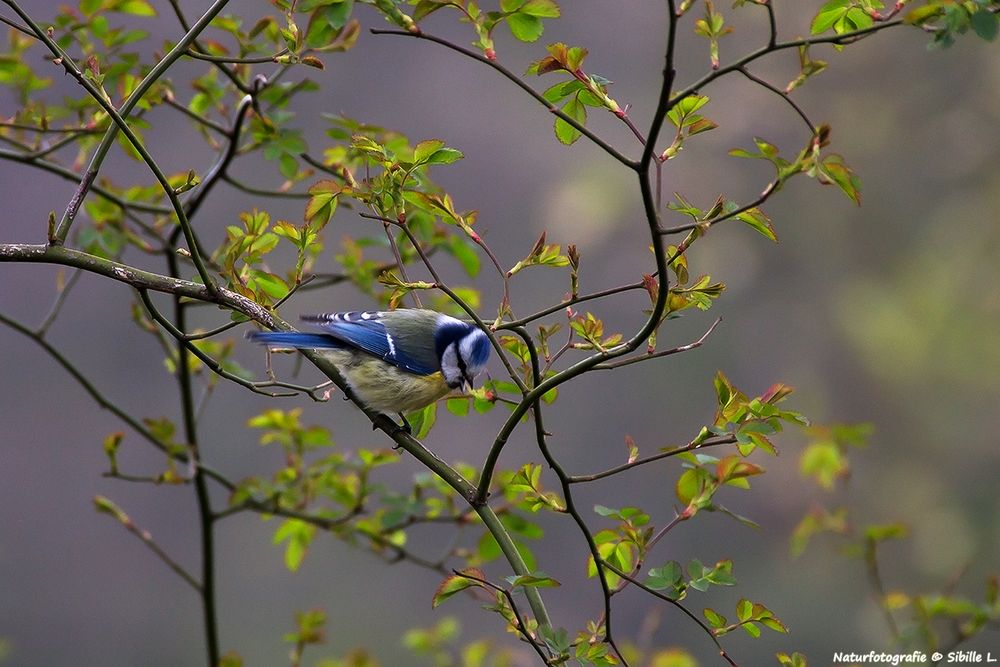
294, 339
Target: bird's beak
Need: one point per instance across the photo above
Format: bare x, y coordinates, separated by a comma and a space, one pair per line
466, 386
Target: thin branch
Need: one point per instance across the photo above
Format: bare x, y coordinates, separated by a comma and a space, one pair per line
469, 53
687, 612
119, 124
845, 38
218, 170
769, 190
564, 481
139, 479
101, 400
691, 446
198, 118
139, 279
243, 320
217, 368
69, 129
104, 402
229, 73
659, 252
566, 303
875, 577
459, 301
69, 174
56, 145
259, 192
772, 24
118, 115
663, 353
191, 53
783, 95
16, 26
399, 261
57, 304
204, 502
146, 538
318, 164
521, 627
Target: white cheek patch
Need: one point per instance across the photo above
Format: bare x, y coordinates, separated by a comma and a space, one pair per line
449, 366
466, 347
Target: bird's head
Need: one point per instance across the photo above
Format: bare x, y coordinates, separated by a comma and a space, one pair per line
463, 351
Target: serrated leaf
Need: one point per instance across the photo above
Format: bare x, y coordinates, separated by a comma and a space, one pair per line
759, 221
525, 27
455, 584
566, 133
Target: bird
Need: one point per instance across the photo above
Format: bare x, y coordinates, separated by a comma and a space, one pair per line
395, 361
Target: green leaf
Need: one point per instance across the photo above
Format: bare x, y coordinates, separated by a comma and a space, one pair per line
525, 27
134, 7
534, 579
566, 133
832, 169
106, 506
759, 221
545, 9
744, 610
830, 13
455, 584
715, 619
793, 660
422, 421
562, 90
425, 149
986, 24
824, 462
298, 535
670, 578
880, 533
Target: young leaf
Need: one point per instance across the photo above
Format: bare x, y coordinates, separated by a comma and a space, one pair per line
455, 584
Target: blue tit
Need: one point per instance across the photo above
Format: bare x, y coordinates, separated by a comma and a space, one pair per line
395, 361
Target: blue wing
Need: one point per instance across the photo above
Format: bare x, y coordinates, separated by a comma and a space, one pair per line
309, 341
366, 331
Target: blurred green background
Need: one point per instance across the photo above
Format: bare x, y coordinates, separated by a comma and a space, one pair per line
888, 313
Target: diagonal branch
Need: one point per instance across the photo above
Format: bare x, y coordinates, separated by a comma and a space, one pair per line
139, 279
663, 353
845, 38
687, 612
555, 111
62, 229
659, 252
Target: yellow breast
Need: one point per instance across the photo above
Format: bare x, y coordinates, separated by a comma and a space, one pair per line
385, 387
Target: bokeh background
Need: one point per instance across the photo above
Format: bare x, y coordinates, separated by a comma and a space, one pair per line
887, 314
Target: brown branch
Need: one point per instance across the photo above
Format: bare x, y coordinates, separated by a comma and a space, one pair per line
783, 95
663, 353
691, 446
687, 612
555, 111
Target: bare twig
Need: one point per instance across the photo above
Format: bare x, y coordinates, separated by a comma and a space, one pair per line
693, 445
663, 353
783, 95
146, 538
